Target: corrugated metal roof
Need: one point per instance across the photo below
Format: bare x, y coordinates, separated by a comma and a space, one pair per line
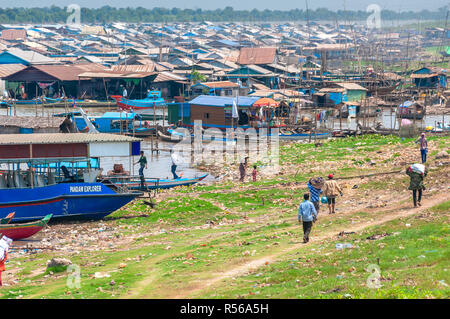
222, 101
351, 86
118, 75
31, 57
14, 34
31, 121
168, 76
63, 138
8, 69
257, 55
55, 71
219, 84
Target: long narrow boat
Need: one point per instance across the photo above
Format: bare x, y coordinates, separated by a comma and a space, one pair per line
7, 219
153, 183
302, 136
22, 231
169, 138
153, 99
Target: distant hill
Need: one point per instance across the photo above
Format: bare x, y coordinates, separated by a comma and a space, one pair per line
108, 14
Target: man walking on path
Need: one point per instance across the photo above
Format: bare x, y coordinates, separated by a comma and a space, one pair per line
417, 173
306, 214
143, 164
331, 190
423, 147
314, 186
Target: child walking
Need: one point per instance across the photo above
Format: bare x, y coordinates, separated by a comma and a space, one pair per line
307, 214
254, 172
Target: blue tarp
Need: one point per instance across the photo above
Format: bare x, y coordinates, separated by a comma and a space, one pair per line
223, 101
406, 104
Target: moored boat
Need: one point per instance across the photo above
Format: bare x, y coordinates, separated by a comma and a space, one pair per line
412, 110
302, 136
153, 183
22, 231
153, 99
7, 219
36, 181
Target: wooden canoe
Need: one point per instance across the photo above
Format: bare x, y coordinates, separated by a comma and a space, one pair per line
21, 231
7, 219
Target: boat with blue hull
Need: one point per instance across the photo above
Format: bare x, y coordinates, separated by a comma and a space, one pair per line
154, 183
152, 100
35, 181
67, 200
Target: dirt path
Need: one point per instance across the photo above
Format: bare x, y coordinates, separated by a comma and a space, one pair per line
244, 268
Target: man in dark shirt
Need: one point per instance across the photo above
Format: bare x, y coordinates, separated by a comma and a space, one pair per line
143, 164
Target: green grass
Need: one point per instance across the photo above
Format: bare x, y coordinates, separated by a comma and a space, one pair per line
413, 263
196, 231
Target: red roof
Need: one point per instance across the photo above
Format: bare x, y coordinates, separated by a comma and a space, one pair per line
14, 34
257, 55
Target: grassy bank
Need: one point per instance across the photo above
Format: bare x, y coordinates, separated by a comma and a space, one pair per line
197, 239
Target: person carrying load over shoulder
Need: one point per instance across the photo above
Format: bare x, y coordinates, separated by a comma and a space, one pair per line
417, 173
315, 189
331, 190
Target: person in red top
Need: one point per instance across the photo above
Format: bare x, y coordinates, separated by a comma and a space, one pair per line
5, 243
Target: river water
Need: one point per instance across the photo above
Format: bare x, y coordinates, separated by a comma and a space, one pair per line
159, 165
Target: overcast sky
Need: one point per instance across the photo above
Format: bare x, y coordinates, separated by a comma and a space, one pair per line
395, 5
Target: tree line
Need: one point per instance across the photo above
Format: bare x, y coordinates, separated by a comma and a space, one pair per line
108, 14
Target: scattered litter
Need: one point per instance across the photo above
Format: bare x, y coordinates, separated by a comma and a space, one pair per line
343, 233
408, 225
443, 283
378, 236
343, 246
98, 275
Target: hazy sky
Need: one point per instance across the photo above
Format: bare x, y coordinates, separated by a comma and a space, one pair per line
395, 5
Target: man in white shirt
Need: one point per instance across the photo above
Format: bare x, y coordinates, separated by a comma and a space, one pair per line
175, 161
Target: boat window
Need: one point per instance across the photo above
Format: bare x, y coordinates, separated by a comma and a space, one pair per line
3, 183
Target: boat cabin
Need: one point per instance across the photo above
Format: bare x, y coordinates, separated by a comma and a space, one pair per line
58, 174
111, 122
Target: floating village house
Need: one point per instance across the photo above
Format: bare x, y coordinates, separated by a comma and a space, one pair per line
216, 111
430, 78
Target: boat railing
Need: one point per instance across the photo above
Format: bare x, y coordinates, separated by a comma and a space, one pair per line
124, 183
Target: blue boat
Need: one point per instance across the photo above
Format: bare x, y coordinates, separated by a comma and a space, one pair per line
63, 200
303, 136
115, 122
34, 181
153, 99
154, 183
